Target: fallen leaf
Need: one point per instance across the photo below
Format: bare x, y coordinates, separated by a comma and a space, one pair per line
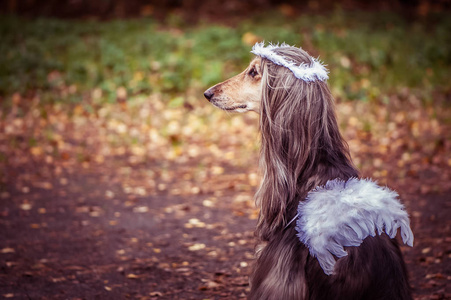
196, 247
43, 185
109, 194
250, 38
426, 250
7, 250
209, 284
140, 209
36, 151
25, 206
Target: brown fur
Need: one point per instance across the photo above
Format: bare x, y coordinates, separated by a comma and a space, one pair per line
302, 148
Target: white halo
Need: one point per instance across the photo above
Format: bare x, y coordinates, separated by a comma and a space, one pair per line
305, 72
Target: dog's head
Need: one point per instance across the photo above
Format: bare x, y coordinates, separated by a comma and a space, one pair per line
240, 93
297, 124
264, 83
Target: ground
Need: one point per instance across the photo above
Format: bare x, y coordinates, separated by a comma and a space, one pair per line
81, 221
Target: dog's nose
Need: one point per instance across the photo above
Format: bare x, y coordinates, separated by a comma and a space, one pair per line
208, 94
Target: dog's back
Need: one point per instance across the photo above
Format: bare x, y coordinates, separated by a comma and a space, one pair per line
374, 270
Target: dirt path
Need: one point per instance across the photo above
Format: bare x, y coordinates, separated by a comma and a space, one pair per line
90, 240
80, 236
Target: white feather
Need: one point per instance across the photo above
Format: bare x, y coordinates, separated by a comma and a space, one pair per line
305, 72
344, 213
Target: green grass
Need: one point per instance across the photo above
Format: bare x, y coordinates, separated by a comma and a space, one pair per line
369, 54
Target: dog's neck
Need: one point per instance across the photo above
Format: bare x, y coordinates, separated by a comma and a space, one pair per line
274, 218
289, 177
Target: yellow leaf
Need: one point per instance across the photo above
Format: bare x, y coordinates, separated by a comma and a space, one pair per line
138, 76
78, 110
99, 159
140, 209
208, 203
25, 206
253, 179
121, 92
426, 250
250, 39
36, 151
109, 194
345, 62
217, 170
43, 185
196, 247
7, 250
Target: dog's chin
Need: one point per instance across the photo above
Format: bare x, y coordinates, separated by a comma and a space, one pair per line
232, 108
238, 108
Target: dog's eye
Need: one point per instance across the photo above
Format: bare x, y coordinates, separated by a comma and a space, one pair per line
253, 72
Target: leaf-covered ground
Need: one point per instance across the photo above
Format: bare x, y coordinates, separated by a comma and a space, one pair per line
138, 200
119, 181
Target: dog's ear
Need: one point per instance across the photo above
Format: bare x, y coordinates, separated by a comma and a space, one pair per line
254, 70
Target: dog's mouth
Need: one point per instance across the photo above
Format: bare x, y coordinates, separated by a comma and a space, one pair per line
223, 105
243, 106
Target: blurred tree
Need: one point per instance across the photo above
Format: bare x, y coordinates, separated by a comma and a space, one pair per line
192, 9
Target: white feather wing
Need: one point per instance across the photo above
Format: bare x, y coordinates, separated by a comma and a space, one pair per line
343, 214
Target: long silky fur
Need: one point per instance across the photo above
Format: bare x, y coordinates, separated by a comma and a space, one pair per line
302, 148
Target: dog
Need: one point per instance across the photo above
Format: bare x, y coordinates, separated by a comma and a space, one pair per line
302, 151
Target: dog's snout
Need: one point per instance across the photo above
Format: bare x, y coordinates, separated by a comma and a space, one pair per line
208, 94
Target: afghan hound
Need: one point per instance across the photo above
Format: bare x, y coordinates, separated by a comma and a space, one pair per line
323, 232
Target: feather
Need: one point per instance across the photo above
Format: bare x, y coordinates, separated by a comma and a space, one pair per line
316, 70
343, 213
